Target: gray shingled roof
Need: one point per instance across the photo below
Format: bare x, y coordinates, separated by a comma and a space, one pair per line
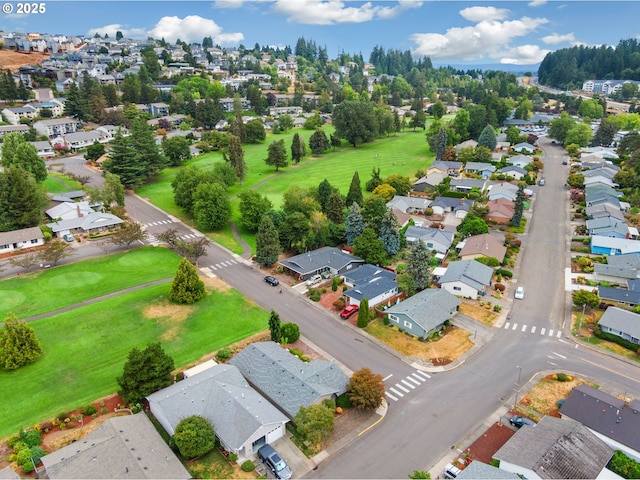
88, 222
604, 414
604, 210
429, 308
22, 235
286, 380
122, 447
630, 260
469, 272
369, 281
443, 165
426, 234
405, 203
621, 320
478, 470
614, 271
7, 473
468, 183
317, 260
557, 448
222, 396
619, 295
451, 202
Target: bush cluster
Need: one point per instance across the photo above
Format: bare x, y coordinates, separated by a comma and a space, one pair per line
89, 409
562, 377
247, 466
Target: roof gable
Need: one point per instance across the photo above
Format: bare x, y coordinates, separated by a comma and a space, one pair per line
316, 260
429, 308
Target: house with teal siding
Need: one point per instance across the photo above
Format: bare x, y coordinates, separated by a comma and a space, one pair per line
425, 312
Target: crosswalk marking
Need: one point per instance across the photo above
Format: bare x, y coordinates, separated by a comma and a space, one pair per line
395, 399
412, 387
533, 329
551, 332
402, 388
524, 328
411, 379
421, 373
507, 325
515, 325
396, 392
559, 334
542, 330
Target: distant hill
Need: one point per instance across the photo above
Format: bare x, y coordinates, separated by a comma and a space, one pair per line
516, 69
12, 60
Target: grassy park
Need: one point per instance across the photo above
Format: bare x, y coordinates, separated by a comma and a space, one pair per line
85, 348
403, 154
47, 290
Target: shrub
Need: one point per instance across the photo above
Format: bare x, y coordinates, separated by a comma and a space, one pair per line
330, 404
103, 410
291, 332
304, 358
31, 438
194, 436
89, 409
62, 416
247, 466
339, 304
343, 401
13, 441
504, 273
499, 286
563, 377
335, 283
295, 351
315, 297
497, 308
223, 354
385, 320
233, 457
37, 453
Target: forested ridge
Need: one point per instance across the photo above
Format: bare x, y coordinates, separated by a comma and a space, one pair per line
569, 68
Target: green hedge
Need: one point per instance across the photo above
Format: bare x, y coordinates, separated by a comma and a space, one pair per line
609, 337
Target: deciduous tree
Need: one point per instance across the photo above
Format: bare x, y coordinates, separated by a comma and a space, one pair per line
315, 423
18, 344
55, 251
369, 247
128, 233
145, 371
366, 389
176, 149
186, 287
267, 242
211, 208
354, 121
253, 207
194, 436
22, 200
277, 156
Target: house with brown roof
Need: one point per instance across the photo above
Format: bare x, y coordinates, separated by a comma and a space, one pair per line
501, 211
484, 245
21, 239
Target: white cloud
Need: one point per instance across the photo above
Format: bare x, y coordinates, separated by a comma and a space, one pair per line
481, 14
234, 4
334, 12
114, 28
524, 55
488, 39
537, 3
556, 38
193, 28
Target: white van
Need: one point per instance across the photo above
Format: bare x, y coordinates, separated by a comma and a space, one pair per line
451, 471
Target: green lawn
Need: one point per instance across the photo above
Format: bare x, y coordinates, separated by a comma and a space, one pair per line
58, 183
85, 349
57, 287
403, 154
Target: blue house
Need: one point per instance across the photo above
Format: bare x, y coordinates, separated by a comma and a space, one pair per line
613, 246
373, 283
425, 312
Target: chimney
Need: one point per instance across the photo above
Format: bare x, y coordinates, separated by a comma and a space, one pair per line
80, 214
462, 201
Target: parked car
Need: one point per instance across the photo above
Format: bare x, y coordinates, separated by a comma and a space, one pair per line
519, 293
349, 311
451, 471
313, 280
68, 237
518, 422
273, 281
541, 182
275, 462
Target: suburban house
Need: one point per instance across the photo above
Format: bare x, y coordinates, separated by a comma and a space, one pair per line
4, 129
69, 210
68, 196
604, 210
13, 115
513, 171
484, 245
424, 313
375, 284
121, 447
44, 149
445, 167
54, 127
459, 206
618, 269
479, 470
613, 246
555, 448
435, 239
622, 323
599, 180
242, 419
604, 170
467, 278
78, 140
608, 227
91, 223
429, 182
21, 239
466, 185
602, 198
325, 259
520, 160
409, 204
288, 382
523, 147
500, 211
507, 191
599, 151
466, 144
611, 419
485, 170
158, 109
629, 296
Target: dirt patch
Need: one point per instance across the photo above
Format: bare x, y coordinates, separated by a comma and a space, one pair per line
12, 60
169, 316
543, 397
478, 312
216, 283
348, 421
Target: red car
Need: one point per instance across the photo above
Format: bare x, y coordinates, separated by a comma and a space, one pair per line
349, 311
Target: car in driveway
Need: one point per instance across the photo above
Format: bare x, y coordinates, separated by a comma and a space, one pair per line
519, 293
273, 281
272, 459
68, 237
518, 421
349, 311
313, 280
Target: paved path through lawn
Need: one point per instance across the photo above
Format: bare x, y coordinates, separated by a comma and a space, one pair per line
97, 299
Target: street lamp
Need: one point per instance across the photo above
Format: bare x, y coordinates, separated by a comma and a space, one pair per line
584, 306
518, 385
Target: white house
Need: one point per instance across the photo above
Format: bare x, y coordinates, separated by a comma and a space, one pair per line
21, 239
466, 278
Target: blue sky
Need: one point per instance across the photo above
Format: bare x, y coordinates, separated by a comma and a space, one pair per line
451, 32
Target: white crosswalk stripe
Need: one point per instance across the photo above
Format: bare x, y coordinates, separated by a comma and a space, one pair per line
524, 328
551, 332
396, 392
406, 390
411, 379
515, 325
559, 334
395, 399
404, 382
542, 330
407, 385
533, 329
421, 374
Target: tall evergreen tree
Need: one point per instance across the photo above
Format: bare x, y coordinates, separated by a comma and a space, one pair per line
388, 232
516, 220
375, 180
335, 208
355, 191
275, 327
487, 138
186, 288
324, 192
145, 371
318, 142
363, 313
238, 127
17, 152
267, 242
277, 154
18, 344
354, 224
297, 148
441, 143
418, 265
236, 157
22, 200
